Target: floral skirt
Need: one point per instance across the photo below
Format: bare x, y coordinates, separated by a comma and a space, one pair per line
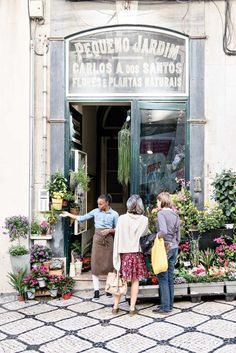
133, 266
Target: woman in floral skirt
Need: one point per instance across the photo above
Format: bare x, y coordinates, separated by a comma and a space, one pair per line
127, 255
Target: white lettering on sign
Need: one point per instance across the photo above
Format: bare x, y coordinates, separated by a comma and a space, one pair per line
128, 61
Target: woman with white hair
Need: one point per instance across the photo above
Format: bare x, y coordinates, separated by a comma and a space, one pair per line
127, 256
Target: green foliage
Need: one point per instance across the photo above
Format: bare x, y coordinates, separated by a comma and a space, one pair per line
57, 183
18, 250
210, 218
69, 197
124, 155
35, 227
152, 220
67, 285
187, 210
16, 280
76, 247
206, 258
79, 178
224, 193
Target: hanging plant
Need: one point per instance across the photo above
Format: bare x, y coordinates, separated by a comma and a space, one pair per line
124, 150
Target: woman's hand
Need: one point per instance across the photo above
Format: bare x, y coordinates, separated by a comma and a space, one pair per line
105, 231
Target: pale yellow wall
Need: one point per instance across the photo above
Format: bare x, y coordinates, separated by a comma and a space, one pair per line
14, 131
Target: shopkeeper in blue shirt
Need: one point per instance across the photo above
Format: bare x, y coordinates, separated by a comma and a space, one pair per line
105, 220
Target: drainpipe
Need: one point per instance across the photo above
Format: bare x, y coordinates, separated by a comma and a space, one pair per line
44, 116
31, 133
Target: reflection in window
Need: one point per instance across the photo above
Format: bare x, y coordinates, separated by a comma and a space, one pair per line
162, 152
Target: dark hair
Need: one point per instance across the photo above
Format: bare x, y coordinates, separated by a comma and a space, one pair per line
106, 197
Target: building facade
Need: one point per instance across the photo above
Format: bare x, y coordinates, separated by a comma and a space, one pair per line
85, 66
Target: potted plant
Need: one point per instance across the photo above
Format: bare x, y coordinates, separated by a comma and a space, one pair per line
79, 179
17, 227
41, 274
40, 254
57, 187
68, 199
44, 226
66, 287
16, 281
34, 227
185, 207
53, 284
31, 284
224, 192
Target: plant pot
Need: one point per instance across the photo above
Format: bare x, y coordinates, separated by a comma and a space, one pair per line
57, 204
20, 262
230, 287
42, 282
20, 298
30, 294
66, 296
53, 292
206, 288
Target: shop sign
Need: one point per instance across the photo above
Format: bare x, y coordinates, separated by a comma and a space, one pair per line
127, 61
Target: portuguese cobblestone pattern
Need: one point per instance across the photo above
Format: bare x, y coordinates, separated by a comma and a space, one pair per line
82, 325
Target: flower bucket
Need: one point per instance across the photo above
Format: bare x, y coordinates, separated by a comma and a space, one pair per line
57, 204
42, 282
67, 296
78, 268
30, 294
53, 292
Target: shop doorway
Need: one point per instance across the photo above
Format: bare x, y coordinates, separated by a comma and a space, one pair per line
94, 131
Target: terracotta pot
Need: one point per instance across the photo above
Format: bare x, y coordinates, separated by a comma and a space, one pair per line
20, 298
67, 296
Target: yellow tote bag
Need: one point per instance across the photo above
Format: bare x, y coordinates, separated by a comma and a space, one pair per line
159, 257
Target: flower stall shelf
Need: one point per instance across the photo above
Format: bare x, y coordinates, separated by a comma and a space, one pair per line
43, 240
180, 286
17, 227
230, 284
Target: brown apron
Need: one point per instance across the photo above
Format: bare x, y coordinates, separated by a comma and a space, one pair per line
102, 253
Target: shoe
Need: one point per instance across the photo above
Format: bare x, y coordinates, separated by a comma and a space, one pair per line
115, 311
108, 294
96, 295
133, 312
160, 311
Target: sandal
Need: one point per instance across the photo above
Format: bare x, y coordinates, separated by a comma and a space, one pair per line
115, 311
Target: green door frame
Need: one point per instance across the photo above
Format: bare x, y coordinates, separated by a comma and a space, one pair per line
136, 105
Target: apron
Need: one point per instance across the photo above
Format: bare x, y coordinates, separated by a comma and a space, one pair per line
102, 253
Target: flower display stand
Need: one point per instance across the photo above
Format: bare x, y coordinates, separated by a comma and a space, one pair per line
181, 289
197, 290
149, 291
230, 290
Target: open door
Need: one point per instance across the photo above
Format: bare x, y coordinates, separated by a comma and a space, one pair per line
161, 149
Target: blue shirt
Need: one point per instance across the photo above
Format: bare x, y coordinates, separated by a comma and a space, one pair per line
102, 219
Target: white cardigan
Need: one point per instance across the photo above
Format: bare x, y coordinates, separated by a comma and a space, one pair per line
130, 228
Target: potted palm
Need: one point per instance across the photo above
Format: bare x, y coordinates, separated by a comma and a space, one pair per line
17, 227
16, 281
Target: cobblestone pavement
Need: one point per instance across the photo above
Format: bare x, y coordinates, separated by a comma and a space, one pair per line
82, 325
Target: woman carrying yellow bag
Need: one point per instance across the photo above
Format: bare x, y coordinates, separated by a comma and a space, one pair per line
168, 225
